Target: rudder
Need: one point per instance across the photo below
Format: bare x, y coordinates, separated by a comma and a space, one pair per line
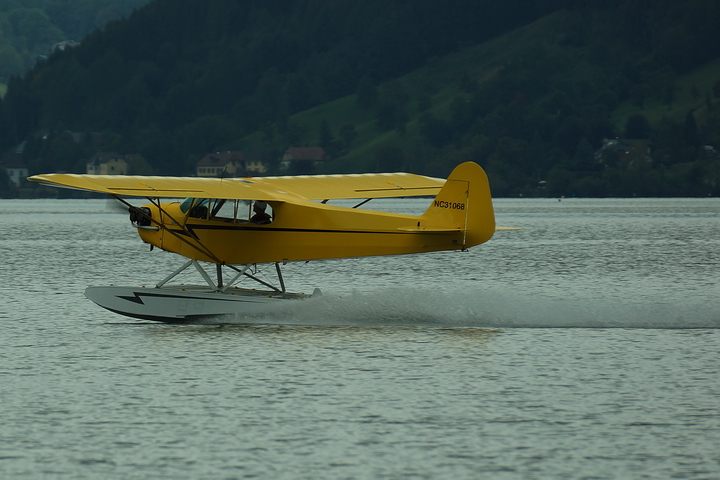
464, 203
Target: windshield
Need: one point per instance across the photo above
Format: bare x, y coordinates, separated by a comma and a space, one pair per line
186, 204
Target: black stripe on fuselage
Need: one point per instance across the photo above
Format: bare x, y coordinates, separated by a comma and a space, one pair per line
193, 227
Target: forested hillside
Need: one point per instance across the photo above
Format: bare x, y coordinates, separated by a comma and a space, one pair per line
529, 89
30, 28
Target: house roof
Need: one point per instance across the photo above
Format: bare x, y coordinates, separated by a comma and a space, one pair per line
220, 159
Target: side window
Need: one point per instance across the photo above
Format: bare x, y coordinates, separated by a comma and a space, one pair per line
199, 208
222, 209
243, 211
237, 211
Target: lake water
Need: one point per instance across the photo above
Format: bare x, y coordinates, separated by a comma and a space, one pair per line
585, 346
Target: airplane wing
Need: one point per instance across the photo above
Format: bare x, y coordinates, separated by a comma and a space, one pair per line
367, 185
314, 187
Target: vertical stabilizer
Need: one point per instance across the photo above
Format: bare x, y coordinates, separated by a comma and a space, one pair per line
465, 204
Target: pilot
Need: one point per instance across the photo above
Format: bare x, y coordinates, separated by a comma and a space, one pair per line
260, 217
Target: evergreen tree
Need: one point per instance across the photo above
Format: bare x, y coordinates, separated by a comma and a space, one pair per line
326, 137
367, 92
637, 126
348, 134
691, 132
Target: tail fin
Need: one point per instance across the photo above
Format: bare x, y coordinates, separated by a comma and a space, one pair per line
463, 204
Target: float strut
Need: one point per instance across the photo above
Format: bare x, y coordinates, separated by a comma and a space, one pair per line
219, 276
175, 273
280, 277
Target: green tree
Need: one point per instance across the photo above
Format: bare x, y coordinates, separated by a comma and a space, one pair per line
390, 116
584, 158
434, 131
209, 133
559, 182
366, 92
55, 153
35, 29
137, 165
691, 132
302, 167
5, 189
7, 126
389, 159
11, 62
326, 136
637, 126
348, 134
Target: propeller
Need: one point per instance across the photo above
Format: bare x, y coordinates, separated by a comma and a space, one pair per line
114, 205
139, 216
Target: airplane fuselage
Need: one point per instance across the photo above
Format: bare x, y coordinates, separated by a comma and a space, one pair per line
296, 232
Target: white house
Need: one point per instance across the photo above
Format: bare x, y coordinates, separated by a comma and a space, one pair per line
16, 168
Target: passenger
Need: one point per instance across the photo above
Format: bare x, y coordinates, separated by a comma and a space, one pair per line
260, 217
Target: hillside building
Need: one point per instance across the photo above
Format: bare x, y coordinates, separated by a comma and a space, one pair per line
314, 156
15, 167
221, 164
231, 164
107, 163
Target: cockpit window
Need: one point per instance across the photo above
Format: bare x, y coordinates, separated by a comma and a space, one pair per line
237, 211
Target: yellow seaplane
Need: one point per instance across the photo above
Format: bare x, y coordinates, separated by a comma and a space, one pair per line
237, 223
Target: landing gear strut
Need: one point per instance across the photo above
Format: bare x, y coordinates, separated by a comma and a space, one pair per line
220, 285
